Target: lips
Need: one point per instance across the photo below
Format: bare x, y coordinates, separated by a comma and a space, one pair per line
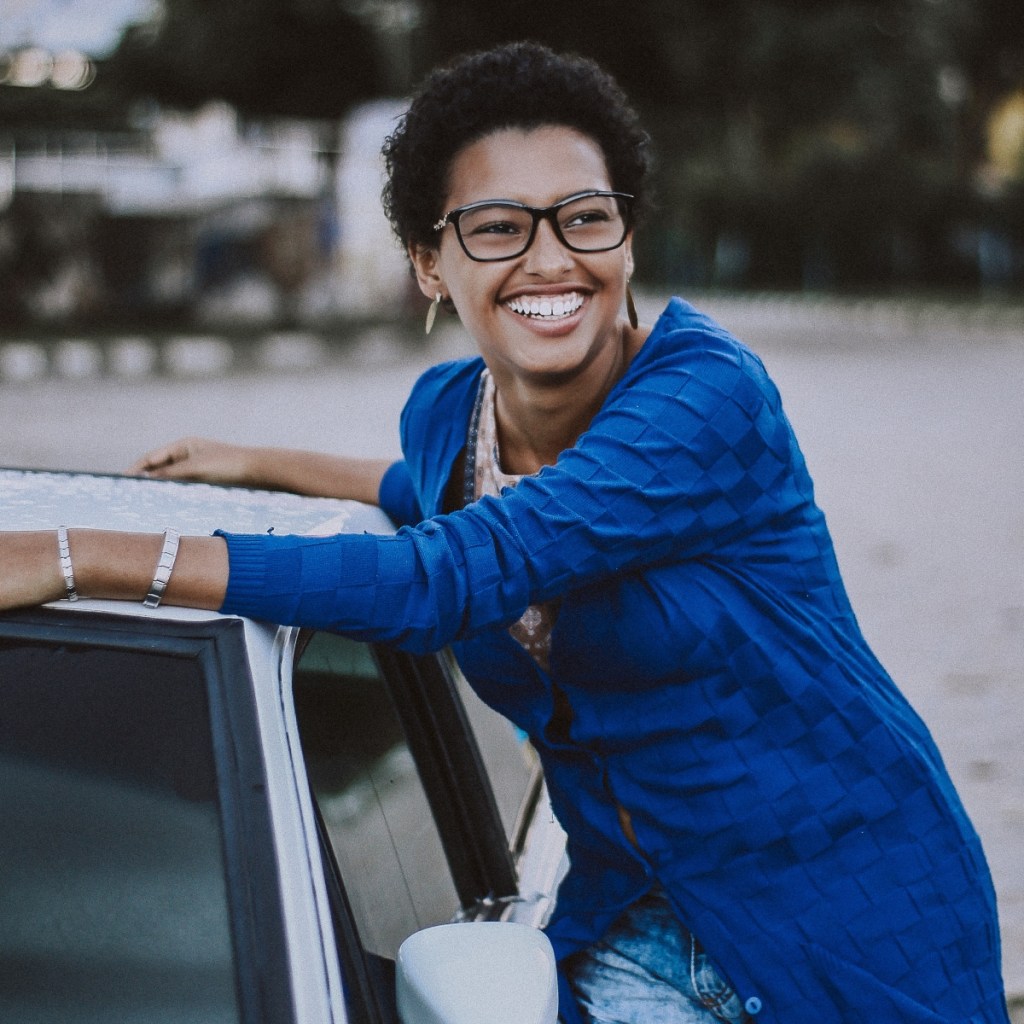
546, 307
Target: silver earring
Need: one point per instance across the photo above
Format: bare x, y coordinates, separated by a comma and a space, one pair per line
631, 308
432, 312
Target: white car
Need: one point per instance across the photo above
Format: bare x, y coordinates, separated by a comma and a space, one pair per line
210, 819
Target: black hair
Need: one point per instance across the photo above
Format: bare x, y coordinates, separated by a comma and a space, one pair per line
518, 85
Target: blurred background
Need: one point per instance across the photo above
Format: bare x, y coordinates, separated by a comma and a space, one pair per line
170, 163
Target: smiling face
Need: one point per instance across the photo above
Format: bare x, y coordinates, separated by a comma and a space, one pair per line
549, 314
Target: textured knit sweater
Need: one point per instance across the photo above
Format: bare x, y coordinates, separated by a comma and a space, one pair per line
781, 789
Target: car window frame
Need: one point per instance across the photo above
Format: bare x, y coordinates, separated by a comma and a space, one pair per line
368, 981
250, 865
453, 774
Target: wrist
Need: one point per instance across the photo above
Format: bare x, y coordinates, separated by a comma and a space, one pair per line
45, 547
30, 569
118, 569
257, 467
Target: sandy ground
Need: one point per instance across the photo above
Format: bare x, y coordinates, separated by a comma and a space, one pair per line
910, 419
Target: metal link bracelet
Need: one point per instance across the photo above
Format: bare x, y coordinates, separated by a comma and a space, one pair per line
164, 568
64, 550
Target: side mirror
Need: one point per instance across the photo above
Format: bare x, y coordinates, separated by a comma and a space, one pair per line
485, 972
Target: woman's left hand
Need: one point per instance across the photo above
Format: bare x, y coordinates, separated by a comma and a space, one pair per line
203, 459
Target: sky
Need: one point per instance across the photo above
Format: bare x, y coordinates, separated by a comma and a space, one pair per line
93, 26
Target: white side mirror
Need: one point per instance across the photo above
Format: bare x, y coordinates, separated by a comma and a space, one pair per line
485, 972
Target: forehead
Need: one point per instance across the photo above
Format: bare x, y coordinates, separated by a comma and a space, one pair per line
537, 166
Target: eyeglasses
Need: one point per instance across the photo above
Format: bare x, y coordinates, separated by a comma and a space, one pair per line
500, 229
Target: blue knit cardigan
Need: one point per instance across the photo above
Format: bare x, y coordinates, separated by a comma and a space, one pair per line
783, 792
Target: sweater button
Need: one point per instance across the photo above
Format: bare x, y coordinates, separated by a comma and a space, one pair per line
753, 1006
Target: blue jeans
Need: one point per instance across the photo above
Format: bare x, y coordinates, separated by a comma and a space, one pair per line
649, 969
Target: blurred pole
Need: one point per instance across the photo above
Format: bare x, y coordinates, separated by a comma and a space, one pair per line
392, 23
954, 91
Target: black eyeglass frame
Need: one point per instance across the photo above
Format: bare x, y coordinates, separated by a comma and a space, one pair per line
539, 213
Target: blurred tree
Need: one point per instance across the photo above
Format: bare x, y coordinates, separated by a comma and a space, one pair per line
801, 144
660, 50
989, 69
791, 132
993, 51
299, 58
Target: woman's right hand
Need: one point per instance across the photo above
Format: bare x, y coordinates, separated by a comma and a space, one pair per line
29, 569
199, 458
109, 564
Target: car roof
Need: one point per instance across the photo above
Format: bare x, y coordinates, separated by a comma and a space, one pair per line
45, 499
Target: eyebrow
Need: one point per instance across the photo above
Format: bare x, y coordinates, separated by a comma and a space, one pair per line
534, 206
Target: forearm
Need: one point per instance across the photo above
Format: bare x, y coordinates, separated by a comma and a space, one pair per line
278, 469
109, 564
319, 474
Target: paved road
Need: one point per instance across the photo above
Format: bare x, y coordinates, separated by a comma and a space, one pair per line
910, 418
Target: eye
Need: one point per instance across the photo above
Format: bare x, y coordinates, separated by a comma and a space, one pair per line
588, 212
500, 221
495, 227
580, 218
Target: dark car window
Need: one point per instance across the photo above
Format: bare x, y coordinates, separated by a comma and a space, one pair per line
113, 902
373, 804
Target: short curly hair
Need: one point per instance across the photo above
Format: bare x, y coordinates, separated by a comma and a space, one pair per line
518, 85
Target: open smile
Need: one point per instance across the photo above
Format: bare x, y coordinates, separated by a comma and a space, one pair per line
548, 307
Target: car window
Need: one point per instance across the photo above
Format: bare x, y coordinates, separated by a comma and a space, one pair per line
511, 762
113, 901
371, 799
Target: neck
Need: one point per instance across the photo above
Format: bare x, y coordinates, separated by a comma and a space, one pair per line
538, 419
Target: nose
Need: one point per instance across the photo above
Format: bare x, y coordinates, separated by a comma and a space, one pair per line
547, 255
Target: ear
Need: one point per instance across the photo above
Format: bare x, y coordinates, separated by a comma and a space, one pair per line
628, 244
426, 264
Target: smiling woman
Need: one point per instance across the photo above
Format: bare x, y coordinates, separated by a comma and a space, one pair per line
535, 254
613, 527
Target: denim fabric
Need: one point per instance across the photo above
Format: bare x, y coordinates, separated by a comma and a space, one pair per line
649, 969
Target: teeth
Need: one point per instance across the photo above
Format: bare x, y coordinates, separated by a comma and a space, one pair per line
562, 305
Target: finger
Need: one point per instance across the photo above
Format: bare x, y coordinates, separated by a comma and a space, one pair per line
180, 469
160, 459
148, 462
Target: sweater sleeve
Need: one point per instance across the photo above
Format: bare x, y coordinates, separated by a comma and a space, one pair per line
397, 495
690, 452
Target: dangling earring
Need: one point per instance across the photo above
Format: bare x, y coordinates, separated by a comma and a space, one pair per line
631, 308
432, 312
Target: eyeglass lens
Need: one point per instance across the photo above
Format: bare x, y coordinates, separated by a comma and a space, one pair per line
501, 231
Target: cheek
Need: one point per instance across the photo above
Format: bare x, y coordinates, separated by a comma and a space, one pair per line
474, 289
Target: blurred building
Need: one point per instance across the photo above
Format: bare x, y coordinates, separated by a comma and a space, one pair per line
204, 217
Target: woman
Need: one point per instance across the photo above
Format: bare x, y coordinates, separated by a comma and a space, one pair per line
613, 527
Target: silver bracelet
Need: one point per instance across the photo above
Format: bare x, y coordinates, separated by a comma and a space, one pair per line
164, 568
64, 550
